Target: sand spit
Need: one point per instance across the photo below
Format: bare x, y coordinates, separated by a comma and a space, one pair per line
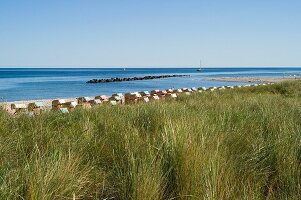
256, 79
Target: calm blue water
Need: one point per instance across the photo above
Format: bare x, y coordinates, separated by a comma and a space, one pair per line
31, 83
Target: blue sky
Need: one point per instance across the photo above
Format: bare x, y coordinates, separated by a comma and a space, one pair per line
153, 33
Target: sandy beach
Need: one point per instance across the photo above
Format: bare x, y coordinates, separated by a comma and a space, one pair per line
250, 79
256, 79
47, 102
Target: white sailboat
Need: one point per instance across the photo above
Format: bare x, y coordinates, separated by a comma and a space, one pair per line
200, 69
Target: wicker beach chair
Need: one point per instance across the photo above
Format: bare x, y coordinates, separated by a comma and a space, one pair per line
172, 95
70, 105
145, 94
58, 103
178, 91
95, 102
18, 108
212, 88
202, 88
37, 107
103, 98
162, 93
132, 97
184, 89
118, 97
81, 100
153, 92
154, 97
187, 91
194, 89
170, 90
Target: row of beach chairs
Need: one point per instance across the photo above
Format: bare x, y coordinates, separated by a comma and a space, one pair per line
65, 106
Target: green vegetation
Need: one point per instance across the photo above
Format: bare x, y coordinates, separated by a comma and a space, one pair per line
232, 144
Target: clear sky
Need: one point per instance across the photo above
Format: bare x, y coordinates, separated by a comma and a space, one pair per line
150, 33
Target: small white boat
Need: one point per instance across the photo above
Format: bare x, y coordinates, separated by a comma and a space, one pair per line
200, 69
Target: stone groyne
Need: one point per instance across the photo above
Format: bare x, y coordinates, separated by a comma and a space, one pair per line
109, 80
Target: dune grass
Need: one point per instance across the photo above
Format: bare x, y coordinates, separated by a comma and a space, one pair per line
232, 144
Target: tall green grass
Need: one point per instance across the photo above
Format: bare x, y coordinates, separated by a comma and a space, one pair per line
232, 144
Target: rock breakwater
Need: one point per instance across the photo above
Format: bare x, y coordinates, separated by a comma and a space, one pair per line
109, 80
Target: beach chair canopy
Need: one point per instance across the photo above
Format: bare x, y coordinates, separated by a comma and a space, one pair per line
58, 101
144, 93
135, 95
102, 97
83, 99
118, 98
117, 94
95, 101
155, 91
202, 88
71, 104
138, 95
170, 90
36, 105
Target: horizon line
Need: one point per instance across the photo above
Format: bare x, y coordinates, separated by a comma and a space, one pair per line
146, 67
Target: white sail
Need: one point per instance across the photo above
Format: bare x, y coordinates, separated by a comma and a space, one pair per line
199, 69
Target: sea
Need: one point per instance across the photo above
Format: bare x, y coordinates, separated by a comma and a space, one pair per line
50, 83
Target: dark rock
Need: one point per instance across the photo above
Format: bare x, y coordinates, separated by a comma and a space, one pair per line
133, 78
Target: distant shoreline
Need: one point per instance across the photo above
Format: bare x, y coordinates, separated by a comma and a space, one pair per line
254, 79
